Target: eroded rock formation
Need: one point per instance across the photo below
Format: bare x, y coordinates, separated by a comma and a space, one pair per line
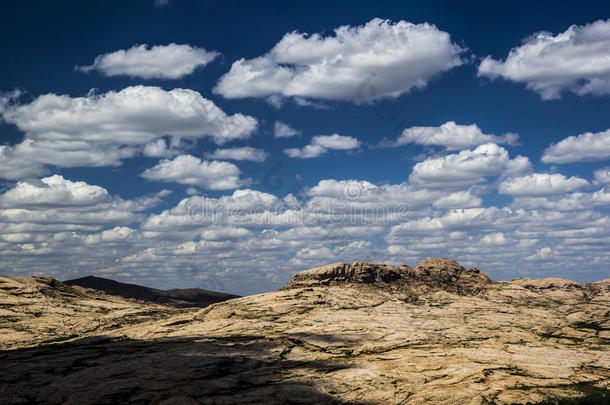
439, 273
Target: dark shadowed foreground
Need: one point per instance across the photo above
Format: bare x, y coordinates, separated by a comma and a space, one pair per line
360, 333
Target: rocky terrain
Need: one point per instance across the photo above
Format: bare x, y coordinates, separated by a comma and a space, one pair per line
344, 333
40, 310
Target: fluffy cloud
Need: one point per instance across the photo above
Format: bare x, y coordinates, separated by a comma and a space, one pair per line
162, 61
451, 136
282, 130
480, 219
496, 238
562, 202
519, 223
15, 166
59, 226
358, 202
55, 203
102, 130
602, 175
53, 191
459, 199
468, 167
136, 114
584, 147
541, 184
159, 148
321, 144
574, 60
242, 207
187, 169
223, 233
378, 59
241, 153
118, 234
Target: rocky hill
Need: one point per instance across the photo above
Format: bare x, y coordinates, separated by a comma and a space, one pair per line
41, 310
359, 333
183, 298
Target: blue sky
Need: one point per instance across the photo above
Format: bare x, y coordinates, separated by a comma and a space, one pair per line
348, 131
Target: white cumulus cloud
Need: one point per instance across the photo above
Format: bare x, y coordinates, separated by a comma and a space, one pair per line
575, 60
171, 61
468, 167
451, 136
496, 238
321, 144
102, 130
53, 191
56, 204
378, 59
459, 199
584, 147
187, 169
602, 175
541, 184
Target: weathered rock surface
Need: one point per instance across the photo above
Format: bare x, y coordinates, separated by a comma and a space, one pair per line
40, 310
359, 333
444, 274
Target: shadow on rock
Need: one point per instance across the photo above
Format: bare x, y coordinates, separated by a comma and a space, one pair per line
207, 370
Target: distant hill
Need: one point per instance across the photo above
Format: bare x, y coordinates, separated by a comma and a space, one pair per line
183, 298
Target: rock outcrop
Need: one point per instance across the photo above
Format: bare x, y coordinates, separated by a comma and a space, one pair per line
357, 333
359, 272
445, 274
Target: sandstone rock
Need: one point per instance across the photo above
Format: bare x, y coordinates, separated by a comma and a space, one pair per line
343, 333
39, 310
437, 273
359, 272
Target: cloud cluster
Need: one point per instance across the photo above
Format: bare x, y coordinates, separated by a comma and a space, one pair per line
451, 136
358, 63
575, 60
252, 240
55, 208
171, 61
321, 144
339, 220
102, 130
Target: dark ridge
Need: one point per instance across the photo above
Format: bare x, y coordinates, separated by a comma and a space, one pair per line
182, 298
